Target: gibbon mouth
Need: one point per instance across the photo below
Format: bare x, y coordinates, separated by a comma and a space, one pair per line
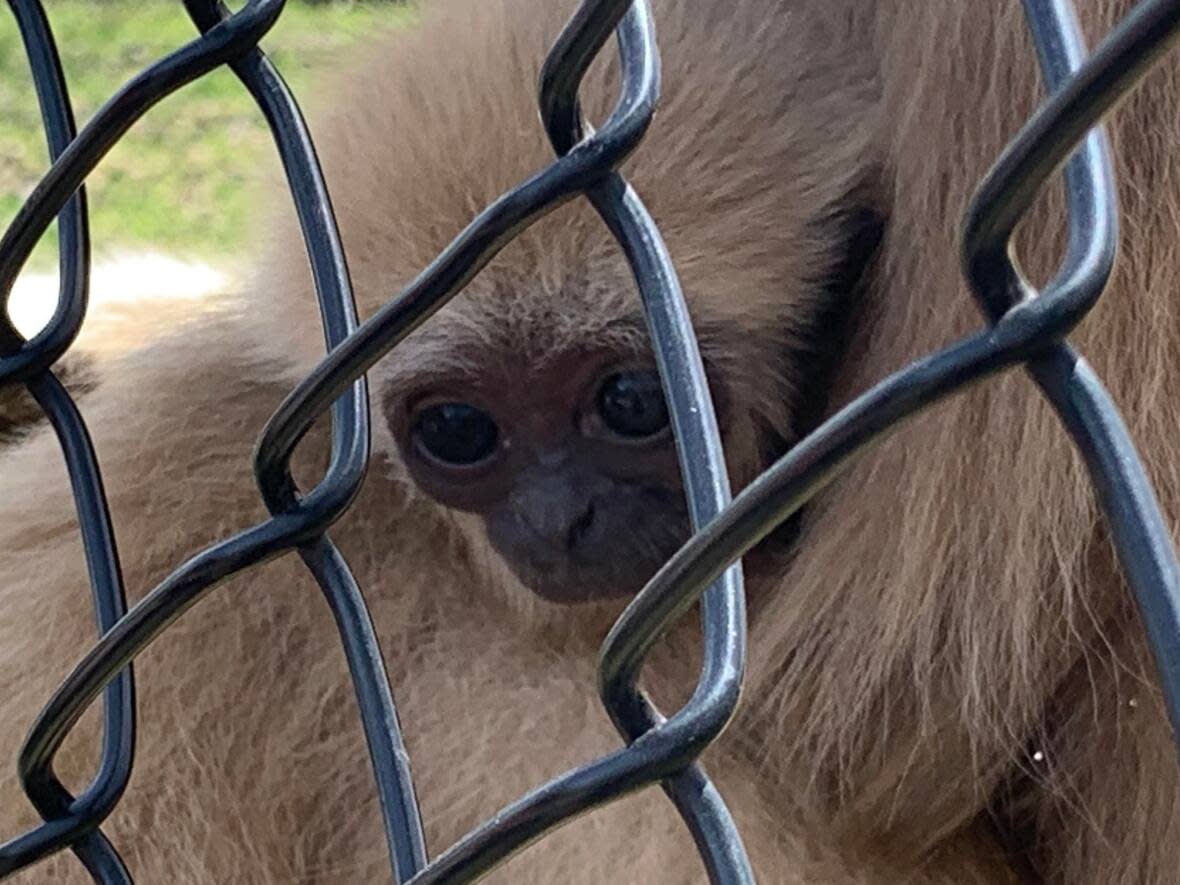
580, 585
577, 583
574, 583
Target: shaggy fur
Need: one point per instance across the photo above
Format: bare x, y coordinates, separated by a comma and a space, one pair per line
948, 682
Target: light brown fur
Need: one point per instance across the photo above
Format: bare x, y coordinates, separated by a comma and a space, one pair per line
951, 609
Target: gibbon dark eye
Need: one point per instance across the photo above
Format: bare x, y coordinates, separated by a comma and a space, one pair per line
631, 404
456, 434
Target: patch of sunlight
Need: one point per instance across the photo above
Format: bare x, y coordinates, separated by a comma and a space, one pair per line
124, 280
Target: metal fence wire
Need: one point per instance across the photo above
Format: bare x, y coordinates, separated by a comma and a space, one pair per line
1024, 327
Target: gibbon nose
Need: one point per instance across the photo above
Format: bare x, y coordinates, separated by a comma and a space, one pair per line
554, 511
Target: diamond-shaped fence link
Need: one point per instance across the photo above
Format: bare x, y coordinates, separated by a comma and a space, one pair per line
1025, 327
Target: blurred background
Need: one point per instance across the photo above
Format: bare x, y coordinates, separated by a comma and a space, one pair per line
170, 202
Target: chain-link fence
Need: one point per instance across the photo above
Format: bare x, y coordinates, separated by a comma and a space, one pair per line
1026, 327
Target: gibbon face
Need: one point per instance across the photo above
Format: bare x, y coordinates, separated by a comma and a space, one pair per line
570, 464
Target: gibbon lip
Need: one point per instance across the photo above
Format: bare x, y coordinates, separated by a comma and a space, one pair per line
575, 584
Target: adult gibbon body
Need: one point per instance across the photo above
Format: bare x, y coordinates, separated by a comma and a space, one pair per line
948, 681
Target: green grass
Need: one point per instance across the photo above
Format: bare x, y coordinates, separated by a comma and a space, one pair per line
177, 182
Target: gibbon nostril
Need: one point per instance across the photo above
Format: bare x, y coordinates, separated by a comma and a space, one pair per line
579, 528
